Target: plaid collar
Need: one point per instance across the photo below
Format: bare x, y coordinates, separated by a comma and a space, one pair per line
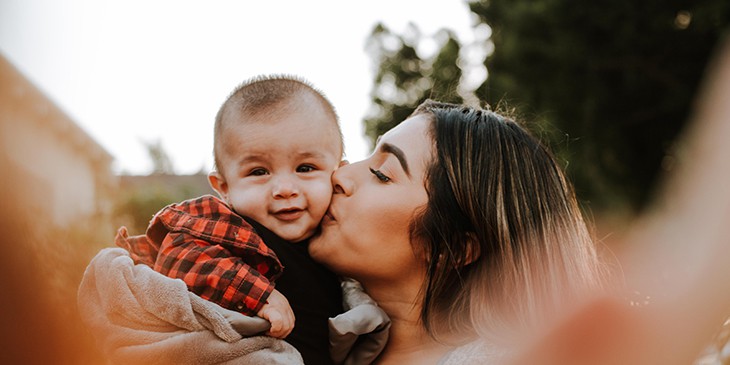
211, 219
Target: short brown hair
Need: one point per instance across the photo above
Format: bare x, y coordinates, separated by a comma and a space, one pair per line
258, 95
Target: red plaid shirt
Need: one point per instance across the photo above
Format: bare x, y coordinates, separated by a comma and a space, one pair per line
212, 249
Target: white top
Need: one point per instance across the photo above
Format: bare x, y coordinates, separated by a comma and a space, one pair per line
477, 352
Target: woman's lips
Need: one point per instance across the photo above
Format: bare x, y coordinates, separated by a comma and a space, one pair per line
328, 218
289, 214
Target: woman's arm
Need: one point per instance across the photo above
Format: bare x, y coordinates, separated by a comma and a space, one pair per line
679, 258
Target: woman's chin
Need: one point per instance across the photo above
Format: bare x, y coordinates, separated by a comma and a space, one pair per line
326, 246
317, 245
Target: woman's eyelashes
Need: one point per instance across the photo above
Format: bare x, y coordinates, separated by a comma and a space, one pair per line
379, 175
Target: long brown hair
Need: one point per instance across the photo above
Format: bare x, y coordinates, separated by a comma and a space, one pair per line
502, 232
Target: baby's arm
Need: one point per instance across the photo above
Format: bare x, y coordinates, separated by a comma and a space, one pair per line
214, 273
278, 312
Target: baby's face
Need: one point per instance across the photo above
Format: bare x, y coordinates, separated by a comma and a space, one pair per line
278, 172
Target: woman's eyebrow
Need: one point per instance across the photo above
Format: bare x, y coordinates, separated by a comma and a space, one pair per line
398, 153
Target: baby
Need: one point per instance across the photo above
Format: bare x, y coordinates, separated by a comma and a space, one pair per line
277, 142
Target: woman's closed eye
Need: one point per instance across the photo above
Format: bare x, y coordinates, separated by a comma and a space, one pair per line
380, 175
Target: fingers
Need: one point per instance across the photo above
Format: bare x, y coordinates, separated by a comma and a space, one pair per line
279, 313
282, 322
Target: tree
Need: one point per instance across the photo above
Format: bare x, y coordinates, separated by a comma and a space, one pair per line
614, 80
404, 79
161, 162
140, 197
607, 84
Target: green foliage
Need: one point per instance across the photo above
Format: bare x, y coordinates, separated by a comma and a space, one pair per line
615, 79
135, 208
141, 197
607, 84
404, 79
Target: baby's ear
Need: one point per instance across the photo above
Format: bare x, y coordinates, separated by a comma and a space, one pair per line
344, 162
219, 184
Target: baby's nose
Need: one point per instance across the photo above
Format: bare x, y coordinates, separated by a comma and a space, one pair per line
285, 188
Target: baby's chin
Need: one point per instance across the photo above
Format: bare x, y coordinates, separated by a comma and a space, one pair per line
296, 236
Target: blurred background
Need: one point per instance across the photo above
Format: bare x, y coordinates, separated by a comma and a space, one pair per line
107, 108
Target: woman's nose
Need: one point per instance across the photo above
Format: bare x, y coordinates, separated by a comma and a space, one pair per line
342, 182
284, 188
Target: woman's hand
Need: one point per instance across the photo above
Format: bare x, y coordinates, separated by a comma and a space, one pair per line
278, 312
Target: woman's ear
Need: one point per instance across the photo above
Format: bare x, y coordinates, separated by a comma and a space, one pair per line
473, 249
219, 184
473, 252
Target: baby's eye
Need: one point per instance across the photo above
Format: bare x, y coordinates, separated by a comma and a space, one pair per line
258, 172
381, 176
306, 168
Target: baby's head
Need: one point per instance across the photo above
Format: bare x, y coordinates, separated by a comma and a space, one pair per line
277, 142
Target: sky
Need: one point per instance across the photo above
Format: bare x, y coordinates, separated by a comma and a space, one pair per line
134, 72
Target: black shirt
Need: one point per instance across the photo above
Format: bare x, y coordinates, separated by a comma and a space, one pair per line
312, 291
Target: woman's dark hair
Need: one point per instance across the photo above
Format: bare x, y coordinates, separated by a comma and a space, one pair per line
502, 233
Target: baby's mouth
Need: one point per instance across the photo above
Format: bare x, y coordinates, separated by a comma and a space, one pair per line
289, 214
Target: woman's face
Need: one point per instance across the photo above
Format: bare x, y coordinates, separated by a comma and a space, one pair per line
365, 234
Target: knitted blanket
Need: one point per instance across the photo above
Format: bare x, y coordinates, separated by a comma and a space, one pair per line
139, 316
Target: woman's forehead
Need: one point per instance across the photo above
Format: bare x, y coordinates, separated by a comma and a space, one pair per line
410, 142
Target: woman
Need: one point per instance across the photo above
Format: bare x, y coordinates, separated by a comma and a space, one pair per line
461, 225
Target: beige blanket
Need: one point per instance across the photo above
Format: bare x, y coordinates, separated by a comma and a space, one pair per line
142, 317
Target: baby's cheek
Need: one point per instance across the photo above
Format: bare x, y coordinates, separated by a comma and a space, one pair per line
324, 186
319, 197
249, 202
